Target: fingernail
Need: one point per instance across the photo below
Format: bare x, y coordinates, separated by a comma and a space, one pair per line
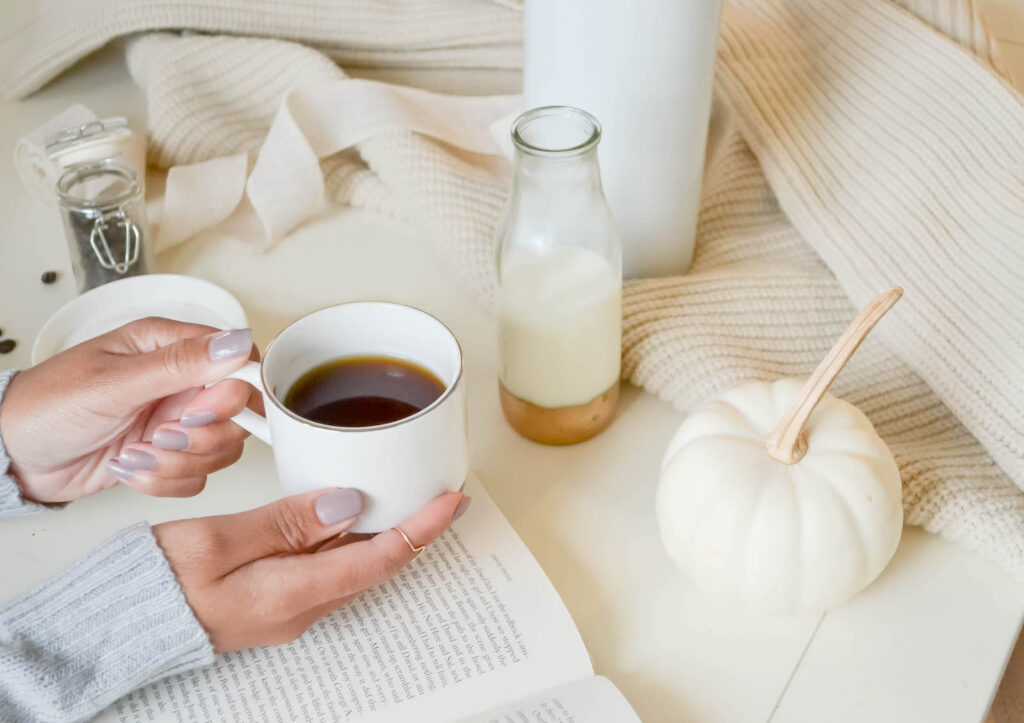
170, 439
197, 419
122, 473
461, 509
136, 459
230, 344
339, 505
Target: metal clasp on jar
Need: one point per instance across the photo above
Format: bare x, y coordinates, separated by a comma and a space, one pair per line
101, 247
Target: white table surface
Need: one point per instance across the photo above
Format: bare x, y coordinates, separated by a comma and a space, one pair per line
926, 642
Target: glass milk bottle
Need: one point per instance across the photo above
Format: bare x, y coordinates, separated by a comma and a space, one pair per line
559, 265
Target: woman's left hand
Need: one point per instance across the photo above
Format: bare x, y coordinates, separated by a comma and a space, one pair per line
128, 406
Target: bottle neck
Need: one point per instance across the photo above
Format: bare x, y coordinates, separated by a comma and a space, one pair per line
558, 175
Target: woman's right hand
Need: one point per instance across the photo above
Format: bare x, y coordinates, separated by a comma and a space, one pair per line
252, 578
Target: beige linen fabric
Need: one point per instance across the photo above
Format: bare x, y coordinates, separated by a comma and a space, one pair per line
854, 144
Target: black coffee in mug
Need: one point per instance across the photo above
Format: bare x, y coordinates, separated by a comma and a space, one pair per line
363, 391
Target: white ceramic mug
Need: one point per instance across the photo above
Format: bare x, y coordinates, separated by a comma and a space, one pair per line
398, 467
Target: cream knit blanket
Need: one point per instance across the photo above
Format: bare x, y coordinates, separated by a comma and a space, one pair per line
852, 146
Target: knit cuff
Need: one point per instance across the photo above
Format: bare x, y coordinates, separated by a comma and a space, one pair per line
107, 625
12, 504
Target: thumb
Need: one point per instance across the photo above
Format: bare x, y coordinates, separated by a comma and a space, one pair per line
290, 525
187, 363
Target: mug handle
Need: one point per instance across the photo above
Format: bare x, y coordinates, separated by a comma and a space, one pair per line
247, 419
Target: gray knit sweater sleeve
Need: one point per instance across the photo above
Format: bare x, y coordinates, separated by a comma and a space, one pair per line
112, 622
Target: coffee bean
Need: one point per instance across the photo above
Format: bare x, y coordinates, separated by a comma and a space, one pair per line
7, 346
48, 277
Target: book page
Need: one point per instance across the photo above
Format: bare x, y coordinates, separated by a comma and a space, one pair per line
472, 623
591, 700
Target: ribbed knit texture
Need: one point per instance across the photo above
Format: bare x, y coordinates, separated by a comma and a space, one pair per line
110, 623
439, 34
852, 146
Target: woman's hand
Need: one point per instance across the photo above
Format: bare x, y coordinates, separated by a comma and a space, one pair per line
130, 406
252, 578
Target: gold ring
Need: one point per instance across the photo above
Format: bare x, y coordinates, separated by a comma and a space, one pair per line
405, 537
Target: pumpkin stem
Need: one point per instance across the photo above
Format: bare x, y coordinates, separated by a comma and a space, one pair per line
787, 443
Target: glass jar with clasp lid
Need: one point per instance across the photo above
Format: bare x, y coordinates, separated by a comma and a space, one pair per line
96, 140
104, 217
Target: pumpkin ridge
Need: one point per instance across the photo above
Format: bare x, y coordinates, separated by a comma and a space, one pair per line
865, 550
755, 511
715, 409
852, 418
846, 454
867, 556
799, 578
752, 439
684, 542
676, 448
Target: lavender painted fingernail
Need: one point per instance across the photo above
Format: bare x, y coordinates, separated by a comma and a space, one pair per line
122, 473
461, 509
338, 505
230, 344
197, 419
170, 439
136, 459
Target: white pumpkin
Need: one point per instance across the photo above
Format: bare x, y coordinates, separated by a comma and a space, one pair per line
781, 538
780, 495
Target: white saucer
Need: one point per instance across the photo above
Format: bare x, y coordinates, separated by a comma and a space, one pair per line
182, 298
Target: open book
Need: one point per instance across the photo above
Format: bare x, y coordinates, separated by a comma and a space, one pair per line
471, 631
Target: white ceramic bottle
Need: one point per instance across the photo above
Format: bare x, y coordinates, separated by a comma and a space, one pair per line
644, 67
559, 283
